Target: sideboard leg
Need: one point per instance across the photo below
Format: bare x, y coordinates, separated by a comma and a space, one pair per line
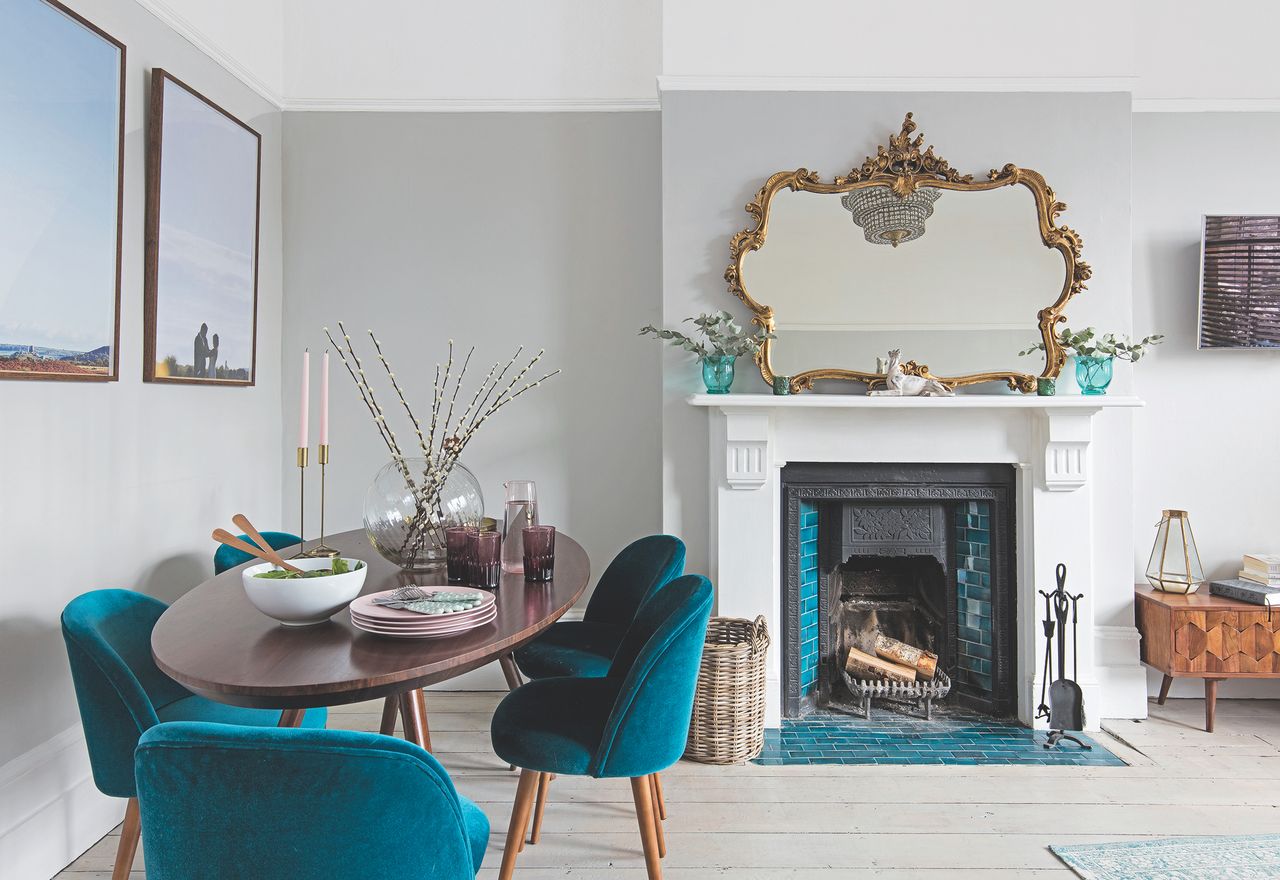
1210, 702
1165, 683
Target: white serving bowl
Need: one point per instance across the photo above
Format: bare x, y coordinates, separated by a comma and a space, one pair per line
303, 601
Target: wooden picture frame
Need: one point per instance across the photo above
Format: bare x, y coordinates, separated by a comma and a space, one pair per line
162, 344
80, 365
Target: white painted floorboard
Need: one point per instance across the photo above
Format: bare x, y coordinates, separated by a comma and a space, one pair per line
788, 823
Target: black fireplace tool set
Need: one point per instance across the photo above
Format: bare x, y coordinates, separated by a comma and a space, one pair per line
1065, 705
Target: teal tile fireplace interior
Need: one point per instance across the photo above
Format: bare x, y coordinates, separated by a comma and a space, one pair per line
973, 593
808, 598
920, 553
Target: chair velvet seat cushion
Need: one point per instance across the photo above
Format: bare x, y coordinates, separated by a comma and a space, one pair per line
553, 725
578, 648
477, 824
195, 708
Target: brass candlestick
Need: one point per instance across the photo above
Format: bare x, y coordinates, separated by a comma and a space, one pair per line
321, 549
304, 454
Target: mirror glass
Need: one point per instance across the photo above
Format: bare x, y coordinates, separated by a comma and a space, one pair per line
962, 297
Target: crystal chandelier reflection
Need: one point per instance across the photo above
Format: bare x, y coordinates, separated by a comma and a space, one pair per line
887, 219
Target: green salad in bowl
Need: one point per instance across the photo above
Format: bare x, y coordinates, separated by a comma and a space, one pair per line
340, 566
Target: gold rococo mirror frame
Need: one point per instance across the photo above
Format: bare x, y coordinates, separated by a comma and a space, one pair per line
903, 167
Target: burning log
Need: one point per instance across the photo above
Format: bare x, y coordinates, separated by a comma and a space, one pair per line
925, 663
871, 668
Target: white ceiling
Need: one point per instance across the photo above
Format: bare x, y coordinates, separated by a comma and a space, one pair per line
608, 54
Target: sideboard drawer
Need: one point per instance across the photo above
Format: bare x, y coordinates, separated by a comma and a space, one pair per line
1225, 641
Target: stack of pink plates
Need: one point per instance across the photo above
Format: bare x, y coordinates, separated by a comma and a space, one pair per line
404, 624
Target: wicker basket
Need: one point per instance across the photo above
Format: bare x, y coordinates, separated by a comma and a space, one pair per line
728, 708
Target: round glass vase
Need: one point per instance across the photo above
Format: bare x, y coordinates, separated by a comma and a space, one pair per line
717, 373
1093, 374
412, 502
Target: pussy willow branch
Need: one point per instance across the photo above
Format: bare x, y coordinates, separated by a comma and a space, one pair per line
429, 518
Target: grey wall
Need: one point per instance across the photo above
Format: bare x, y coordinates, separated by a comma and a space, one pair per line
118, 485
719, 147
494, 230
1207, 439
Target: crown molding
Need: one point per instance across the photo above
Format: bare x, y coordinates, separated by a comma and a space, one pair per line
897, 83
1206, 105
197, 38
470, 105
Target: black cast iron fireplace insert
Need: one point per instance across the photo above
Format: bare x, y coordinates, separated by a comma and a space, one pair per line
924, 553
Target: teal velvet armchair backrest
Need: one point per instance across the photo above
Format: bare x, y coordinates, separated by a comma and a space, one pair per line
229, 557
118, 686
221, 801
634, 574
655, 673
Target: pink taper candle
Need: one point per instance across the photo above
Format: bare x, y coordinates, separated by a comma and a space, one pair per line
306, 399
324, 399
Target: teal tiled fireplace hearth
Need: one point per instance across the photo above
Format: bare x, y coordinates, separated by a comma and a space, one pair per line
922, 553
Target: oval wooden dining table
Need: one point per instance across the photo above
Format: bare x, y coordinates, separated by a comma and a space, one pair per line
220, 646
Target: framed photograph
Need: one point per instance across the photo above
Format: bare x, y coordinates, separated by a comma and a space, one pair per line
61, 194
1240, 282
203, 169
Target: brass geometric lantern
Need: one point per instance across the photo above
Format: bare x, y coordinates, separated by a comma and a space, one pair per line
1174, 566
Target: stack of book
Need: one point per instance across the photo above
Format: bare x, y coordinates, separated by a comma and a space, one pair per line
1258, 583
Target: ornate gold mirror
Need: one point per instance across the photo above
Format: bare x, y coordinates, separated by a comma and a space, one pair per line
906, 252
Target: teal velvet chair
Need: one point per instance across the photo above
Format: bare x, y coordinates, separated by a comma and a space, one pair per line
229, 557
586, 647
122, 694
633, 722
220, 801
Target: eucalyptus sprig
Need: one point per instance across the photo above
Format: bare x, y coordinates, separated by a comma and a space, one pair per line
1089, 343
721, 336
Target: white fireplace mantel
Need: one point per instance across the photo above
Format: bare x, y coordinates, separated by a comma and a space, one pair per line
1074, 506
1066, 422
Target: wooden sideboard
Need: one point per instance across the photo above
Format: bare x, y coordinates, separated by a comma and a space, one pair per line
1207, 637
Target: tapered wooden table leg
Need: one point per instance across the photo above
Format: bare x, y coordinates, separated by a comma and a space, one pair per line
1210, 703
291, 717
519, 821
1165, 684
390, 708
510, 671
660, 803
642, 794
544, 782
413, 715
128, 847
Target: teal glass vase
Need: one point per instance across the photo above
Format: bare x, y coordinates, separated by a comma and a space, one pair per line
1093, 374
717, 373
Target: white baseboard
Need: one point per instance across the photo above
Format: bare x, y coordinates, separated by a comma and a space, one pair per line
50, 810
1121, 675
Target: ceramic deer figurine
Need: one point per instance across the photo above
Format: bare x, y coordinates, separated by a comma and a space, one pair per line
899, 384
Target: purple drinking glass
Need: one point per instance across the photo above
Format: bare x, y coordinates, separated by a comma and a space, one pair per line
455, 549
486, 559
539, 552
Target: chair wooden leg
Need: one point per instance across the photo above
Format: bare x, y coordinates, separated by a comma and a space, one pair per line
642, 793
510, 671
291, 717
520, 810
413, 715
657, 820
659, 801
390, 709
544, 782
1165, 683
128, 842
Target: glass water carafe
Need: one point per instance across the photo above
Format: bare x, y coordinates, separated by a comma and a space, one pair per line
521, 510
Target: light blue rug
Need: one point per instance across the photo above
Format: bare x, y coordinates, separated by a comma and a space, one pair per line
1250, 857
